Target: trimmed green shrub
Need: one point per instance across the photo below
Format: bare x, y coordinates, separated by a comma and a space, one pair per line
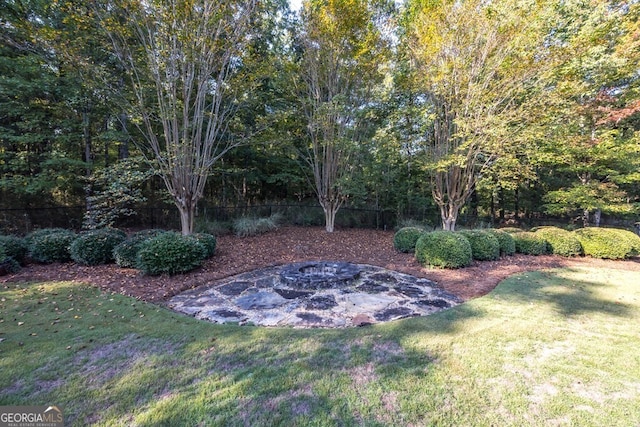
405, 239
506, 241
51, 245
170, 253
3, 252
208, 241
561, 242
96, 247
441, 248
125, 253
629, 237
36, 234
8, 265
15, 247
604, 243
484, 245
529, 243
511, 230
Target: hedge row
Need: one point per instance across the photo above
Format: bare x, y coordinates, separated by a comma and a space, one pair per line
150, 251
457, 249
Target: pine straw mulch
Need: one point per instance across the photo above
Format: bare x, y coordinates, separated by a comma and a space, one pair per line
236, 255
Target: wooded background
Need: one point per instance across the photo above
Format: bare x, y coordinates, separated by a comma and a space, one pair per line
371, 111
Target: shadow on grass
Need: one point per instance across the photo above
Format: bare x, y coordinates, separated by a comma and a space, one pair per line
162, 368
567, 296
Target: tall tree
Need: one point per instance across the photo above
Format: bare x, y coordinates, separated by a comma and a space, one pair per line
590, 158
475, 61
343, 54
180, 56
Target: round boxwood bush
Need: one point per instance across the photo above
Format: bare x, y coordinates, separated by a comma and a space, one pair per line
405, 239
36, 234
511, 230
630, 238
126, 253
604, 243
15, 247
529, 243
484, 245
170, 253
208, 241
8, 265
507, 244
51, 245
443, 249
561, 242
96, 247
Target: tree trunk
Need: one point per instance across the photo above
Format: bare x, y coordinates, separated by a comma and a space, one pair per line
329, 219
597, 216
187, 216
585, 218
88, 158
449, 214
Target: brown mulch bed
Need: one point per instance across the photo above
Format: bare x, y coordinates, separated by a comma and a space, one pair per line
294, 244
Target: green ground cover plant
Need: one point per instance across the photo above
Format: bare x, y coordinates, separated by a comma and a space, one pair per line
544, 348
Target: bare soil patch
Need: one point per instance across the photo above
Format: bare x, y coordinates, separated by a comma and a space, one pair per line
236, 255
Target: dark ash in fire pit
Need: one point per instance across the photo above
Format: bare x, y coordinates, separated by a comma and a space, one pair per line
320, 275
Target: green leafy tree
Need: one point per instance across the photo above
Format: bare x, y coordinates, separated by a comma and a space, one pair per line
343, 51
115, 192
180, 57
590, 160
475, 62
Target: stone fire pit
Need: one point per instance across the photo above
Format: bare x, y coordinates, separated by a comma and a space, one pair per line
328, 294
319, 275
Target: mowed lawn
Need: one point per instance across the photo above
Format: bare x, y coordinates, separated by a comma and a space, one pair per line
558, 347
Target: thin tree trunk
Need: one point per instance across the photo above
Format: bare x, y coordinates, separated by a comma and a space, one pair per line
585, 218
187, 217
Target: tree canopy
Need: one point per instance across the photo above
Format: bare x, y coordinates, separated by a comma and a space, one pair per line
436, 110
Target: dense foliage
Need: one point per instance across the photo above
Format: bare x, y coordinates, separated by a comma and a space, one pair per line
14, 247
605, 243
505, 240
96, 247
561, 242
51, 245
405, 239
125, 254
529, 243
484, 245
441, 111
445, 249
170, 253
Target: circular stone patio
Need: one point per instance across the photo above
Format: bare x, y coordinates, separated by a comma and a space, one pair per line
325, 294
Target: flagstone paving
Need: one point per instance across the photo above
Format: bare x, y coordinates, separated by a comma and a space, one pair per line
361, 295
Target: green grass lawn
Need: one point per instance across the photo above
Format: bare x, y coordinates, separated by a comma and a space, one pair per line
559, 347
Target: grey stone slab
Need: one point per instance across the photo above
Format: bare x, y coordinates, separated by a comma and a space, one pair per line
234, 288
260, 300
